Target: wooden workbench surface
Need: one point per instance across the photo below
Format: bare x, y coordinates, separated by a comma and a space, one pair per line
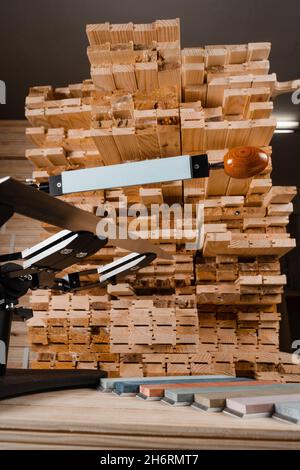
87, 419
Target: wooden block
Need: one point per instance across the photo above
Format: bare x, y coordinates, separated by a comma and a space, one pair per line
126, 142
216, 135
167, 30
260, 110
99, 302
154, 370
78, 318
58, 334
193, 135
148, 142
58, 318
124, 77
237, 54
192, 74
192, 93
40, 300
106, 145
80, 302
151, 195
280, 209
98, 33
215, 56
262, 131
178, 369
144, 33
235, 102
120, 33
146, 76
258, 50
190, 55
131, 370
60, 302
168, 130
103, 78
120, 289
37, 335
279, 195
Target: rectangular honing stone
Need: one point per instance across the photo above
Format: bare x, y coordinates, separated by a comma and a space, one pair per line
157, 391
253, 407
185, 397
288, 411
216, 401
132, 388
107, 385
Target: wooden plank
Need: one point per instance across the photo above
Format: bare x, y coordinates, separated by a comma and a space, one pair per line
13, 142
80, 409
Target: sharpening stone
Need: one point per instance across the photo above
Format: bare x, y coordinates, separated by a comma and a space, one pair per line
132, 388
184, 397
216, 401
253, 407
288, 412
107, 385
157, 391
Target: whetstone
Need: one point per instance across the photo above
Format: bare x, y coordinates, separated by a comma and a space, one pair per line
253, 407
132, 388
216, 401
184, 397
156, 391
107, 385
288, 411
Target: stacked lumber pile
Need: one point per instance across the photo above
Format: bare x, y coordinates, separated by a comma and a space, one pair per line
131, 57
206, 311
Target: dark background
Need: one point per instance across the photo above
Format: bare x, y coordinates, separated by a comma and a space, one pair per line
44, 42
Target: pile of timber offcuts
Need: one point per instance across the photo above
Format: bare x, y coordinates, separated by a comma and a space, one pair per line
206, 311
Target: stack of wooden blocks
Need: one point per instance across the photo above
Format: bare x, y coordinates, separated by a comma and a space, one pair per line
208, 311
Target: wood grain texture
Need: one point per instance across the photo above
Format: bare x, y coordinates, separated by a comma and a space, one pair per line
244, 162
89, 420
13, 141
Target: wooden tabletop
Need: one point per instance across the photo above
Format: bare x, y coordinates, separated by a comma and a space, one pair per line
88, 419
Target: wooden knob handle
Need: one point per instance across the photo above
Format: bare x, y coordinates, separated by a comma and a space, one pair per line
244, 162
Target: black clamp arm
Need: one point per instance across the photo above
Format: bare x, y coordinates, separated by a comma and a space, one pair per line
109, 273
